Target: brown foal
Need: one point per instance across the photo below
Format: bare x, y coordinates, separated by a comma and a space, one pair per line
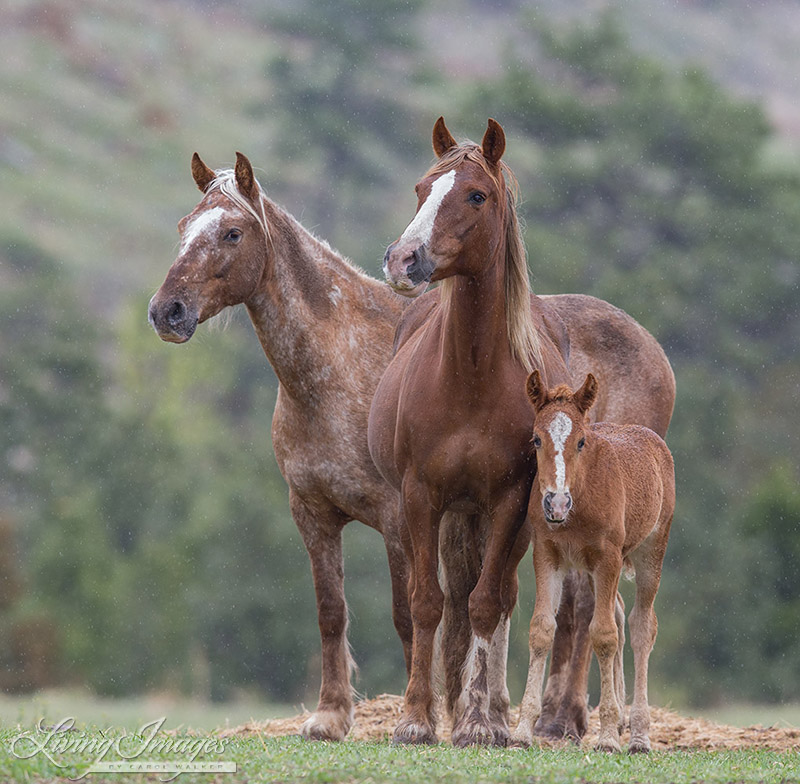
603, 500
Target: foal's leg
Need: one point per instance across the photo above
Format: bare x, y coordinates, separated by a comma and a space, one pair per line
644, 627
572, 656
549, 583
605, 640
322, 535
418, 723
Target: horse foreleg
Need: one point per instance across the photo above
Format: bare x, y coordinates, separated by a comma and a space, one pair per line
487, 604
418, 723
604, 635
322, 535
572, 715
542, 632
399, 575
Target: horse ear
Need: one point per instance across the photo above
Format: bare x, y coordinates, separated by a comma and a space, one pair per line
442, 138
494, 142
245, 180
537, 394
203, 176
585, 396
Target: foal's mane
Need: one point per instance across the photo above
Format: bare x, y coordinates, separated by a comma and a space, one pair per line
522, 334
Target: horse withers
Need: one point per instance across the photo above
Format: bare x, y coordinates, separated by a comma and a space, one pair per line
603, 501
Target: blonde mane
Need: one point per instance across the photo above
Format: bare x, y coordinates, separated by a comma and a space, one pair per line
225, 183
522, 334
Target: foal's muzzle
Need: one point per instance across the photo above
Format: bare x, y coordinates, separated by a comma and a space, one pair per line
172, 319
408, 270
556, 507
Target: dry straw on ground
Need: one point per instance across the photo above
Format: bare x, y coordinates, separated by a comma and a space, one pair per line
669, 731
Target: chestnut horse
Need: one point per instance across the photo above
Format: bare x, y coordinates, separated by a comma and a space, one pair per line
327, 331
605, 498
449, 427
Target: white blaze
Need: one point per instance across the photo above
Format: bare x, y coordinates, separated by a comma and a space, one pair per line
202, 226
421, 228
559, 430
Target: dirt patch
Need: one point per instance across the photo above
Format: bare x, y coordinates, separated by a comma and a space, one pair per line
669, 731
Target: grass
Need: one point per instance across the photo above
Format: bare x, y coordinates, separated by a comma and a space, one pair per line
290, 759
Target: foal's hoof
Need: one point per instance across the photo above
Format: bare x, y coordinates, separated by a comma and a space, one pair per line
639, 746
608, 745
474, 731
327, 725
410, 732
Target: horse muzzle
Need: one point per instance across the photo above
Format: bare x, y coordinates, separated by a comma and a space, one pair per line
556, 507
408, 270
173, 320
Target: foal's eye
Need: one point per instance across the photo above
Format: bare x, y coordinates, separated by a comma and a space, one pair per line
581, 444
537, 442
234, 235
476, 197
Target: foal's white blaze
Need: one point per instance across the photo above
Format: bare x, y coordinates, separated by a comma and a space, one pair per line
421, 228
559, 430
202, 226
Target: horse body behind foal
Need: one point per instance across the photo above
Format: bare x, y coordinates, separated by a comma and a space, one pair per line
327, 330
604, 497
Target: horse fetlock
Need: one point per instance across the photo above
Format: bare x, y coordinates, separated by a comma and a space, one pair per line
474, 729
412, 732
327, 725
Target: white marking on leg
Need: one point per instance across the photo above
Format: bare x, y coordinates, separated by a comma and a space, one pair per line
421, 228
559, 430
202, 226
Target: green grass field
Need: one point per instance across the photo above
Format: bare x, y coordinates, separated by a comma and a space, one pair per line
290, 759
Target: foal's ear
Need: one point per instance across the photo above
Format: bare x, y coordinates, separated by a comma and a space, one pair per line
494, 142
203, 176
442, 138
537, 394
585, 396
245, 180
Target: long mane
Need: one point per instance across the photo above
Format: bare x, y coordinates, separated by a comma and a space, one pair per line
225, 183
522, 334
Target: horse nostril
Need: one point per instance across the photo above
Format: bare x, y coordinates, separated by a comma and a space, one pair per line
176, 314
547, 502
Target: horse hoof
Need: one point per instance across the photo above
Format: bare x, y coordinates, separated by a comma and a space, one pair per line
327, 725
475, 732
639, 746
410, 732
520, 740
608, 746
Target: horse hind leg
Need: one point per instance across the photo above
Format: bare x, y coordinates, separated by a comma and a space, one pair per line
323, 539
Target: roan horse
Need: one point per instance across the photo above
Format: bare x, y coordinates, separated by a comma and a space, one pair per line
605, 498
450, 424
327, 330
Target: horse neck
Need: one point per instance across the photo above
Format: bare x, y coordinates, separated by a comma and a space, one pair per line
293, 308
474, 330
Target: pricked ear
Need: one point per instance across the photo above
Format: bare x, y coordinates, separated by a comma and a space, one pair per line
245, 180
494, 142
585, 396
203, 176
442, 138
537, 394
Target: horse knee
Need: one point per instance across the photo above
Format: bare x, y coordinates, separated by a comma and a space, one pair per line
427, 608
604, 638
484, 614
541, 636
332, 613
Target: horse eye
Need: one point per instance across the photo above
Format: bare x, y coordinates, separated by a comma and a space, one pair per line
537, 442
581, 444
476, 197
234, 235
